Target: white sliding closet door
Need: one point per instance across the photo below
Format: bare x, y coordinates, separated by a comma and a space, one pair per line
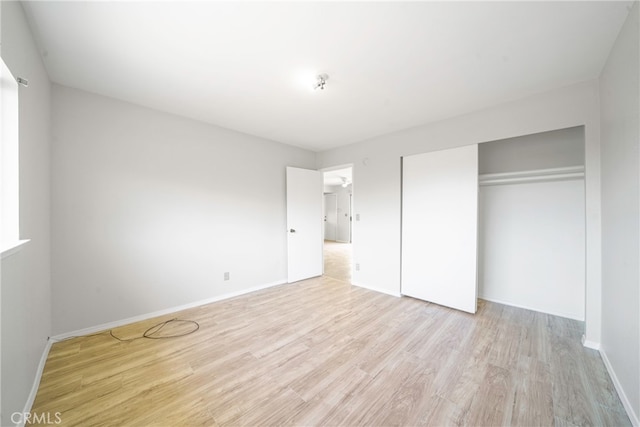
440, 227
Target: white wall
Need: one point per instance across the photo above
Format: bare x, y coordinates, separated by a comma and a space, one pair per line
545, 150
376, 237
26, 294
0, 263
619, 89
150, 209
531, 246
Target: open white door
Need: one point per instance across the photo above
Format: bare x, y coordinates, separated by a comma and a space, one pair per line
439, 227
304, 224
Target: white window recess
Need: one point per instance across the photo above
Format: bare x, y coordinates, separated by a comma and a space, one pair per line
9, 159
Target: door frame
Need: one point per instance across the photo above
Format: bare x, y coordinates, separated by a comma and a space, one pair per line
351, 204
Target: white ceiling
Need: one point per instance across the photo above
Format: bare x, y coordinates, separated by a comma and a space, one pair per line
392, 65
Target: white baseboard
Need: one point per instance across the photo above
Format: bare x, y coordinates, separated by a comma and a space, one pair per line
591, 344
118, 323
382, 291
93, 329
36, 382
623, 397
565, 315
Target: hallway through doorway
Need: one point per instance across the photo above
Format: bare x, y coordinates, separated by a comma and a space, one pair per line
337, 260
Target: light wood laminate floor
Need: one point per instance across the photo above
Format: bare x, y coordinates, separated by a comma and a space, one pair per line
322, 352
337, 260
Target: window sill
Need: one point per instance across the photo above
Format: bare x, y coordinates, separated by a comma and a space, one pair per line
13, 248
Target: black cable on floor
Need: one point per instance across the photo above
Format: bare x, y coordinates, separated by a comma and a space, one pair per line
152, 332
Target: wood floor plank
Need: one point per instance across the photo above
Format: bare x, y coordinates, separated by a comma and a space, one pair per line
323, 352
599, 379
572, 397
410, 402
494, 403
308, 414
441, 412
533, 404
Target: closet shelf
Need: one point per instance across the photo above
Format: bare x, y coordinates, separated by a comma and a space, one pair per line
531, 176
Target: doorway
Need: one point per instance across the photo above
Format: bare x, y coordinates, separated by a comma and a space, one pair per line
337, 248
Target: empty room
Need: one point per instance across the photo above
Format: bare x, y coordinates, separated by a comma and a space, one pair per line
320, 213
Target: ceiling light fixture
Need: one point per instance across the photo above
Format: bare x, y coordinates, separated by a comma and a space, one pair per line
321, 80
345, 184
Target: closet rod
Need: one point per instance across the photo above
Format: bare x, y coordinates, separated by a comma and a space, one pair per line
531, 176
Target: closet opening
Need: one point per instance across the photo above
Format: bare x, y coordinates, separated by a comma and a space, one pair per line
532, 222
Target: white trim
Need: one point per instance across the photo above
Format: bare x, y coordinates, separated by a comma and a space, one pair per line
565, 315
117, 323
530, 176
13, 248
382, 291
36, 381
590, 344
337, 167
623, 397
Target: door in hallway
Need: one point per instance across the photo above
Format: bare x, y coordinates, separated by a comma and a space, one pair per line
330, 216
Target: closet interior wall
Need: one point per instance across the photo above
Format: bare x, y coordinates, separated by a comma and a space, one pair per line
531, 242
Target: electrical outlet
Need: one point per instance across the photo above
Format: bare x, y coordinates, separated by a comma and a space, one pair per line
357, 217
226, 275
357, 266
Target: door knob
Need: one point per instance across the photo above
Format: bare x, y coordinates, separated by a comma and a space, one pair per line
292, 231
